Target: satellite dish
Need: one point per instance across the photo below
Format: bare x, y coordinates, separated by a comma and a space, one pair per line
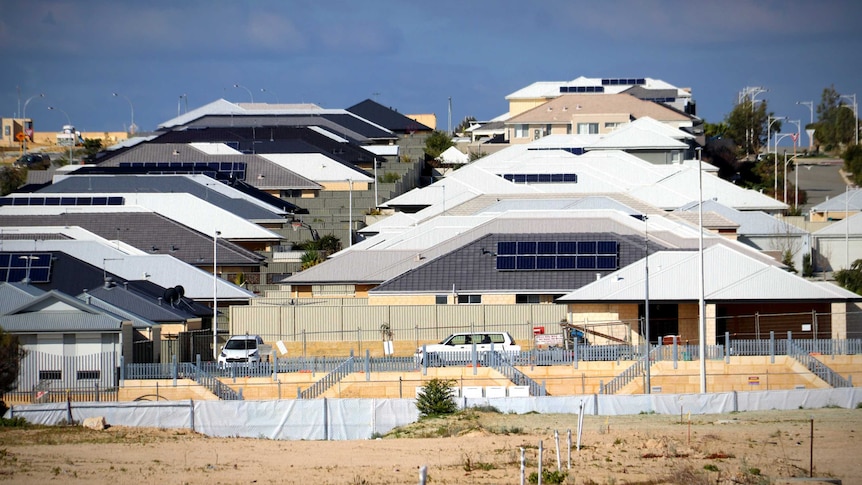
180, 291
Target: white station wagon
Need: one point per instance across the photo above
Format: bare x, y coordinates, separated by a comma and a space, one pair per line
458, 347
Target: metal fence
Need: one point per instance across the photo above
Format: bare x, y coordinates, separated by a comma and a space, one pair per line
50, 372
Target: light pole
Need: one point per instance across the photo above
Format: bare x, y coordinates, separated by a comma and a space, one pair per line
701, 327
810, 105
246, 89
215, 295
24, 118
350, 215
778, 138
786, 161
855, 113
71, 131
771, 120
647, 383
132, 127
182, 96
749, 93
263, 90
29, 259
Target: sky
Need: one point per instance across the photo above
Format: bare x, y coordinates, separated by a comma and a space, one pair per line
413, 56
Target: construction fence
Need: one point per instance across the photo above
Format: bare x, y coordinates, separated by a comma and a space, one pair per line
359, 419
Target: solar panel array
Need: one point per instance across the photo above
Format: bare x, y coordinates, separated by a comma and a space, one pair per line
540, 178
625, 81
582, 89
60, 200
557, 255
14, 267
216, 170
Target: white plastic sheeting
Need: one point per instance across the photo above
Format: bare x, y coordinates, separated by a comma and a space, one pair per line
354, 419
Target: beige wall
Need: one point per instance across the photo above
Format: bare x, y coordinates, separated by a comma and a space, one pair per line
618, 320
518, 106
343, 185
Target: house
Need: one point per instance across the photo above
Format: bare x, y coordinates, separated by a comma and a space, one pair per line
588, 114
838, 207
838, 245
70, 344
644, 88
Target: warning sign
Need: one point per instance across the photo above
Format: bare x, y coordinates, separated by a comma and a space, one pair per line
753, 381
549, 340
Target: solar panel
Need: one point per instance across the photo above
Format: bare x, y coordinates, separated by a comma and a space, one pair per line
547, 247
546, 262
507, 247
14, 267
586, 247
557, 255
526, 262
526, 247
586, 262
505, 262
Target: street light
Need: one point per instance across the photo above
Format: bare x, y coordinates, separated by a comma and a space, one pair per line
186, 97
771, 120
29, 259
24, 118
778, 138
215, 296
786, 161
71, 131
855, 113
246, 89
132, 127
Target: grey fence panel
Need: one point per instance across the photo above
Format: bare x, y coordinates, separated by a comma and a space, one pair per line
44, 371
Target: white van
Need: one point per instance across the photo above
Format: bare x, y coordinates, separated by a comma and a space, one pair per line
458, 348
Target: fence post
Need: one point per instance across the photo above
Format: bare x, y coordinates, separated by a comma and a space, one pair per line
274, 359
192, 413
401, 387
174, 362
96, 386
575, 346
367, 365
601, 386
789, 341
304, 342
122, 371
772, 346
424, 360
675, 352
298, 392
726, 347
325, 420
198, 368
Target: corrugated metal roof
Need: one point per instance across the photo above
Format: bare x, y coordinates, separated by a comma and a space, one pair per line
564, 106
749, 222
674, 276
849, 200
317, 167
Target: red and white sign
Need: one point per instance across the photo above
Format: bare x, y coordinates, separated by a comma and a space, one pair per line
794, 137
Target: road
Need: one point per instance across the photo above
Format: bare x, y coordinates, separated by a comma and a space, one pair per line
820, 178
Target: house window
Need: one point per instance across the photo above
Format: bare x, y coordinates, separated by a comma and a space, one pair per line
522, 131
568, 129
588, 128
84, 375
290, 193
527, 299
50, 375
610, 125
441, 299
470, 299
7, 130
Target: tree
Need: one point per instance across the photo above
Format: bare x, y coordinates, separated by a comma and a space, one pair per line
435, 398
11, 354
851, 279
11, 178
835, 121
747, 126
467, 122
437, 143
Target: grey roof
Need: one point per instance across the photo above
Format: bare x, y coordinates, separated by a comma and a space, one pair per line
145, 231
113, 184
849, 226
750, 223
54, 311
155, 310
849, 200
260, 172
13, 295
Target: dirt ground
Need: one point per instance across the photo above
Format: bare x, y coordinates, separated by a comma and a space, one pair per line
470, 448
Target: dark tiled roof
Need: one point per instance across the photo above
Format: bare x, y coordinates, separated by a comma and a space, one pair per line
471, 270
144, 231
343, 124
386, 117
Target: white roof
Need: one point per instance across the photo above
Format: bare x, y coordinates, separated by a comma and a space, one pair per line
551, 89
317, 167
674, 275
383, 150
162, 269
453, 155
215, 148
185, 209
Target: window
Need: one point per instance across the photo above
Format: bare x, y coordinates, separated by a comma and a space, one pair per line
89, 375
527, 299
470, 299
50, 375
441, 299
610, 125
7, 130
588, 128
522, 131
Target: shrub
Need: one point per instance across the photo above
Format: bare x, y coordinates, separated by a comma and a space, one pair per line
435, 398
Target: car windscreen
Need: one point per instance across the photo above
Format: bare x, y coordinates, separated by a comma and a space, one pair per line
241, 344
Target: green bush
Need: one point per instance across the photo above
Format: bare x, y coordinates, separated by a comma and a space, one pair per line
548, 476
435, 398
